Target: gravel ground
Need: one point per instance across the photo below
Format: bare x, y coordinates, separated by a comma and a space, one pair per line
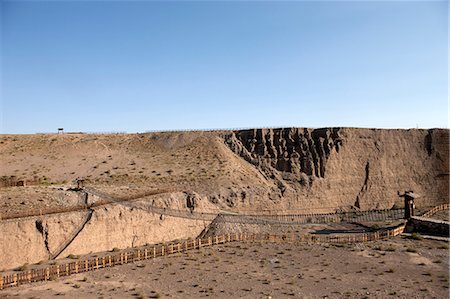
394, 268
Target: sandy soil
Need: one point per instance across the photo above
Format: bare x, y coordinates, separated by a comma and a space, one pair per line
17, 201
395, 268
122, 165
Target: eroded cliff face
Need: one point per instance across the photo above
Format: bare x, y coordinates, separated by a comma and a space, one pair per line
290, 150
345, 168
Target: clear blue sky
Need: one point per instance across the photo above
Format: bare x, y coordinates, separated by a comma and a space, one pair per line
140, 65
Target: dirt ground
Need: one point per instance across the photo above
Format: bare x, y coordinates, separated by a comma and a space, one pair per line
397, 268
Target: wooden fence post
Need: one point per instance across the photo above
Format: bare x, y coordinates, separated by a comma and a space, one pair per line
154, 251
109, 260
145, 253
1, 282
76, 267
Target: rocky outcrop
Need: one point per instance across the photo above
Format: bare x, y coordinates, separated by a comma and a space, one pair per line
292, 150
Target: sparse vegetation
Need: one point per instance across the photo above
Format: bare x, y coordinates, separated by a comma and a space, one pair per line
445, 246
415, 236
390, 248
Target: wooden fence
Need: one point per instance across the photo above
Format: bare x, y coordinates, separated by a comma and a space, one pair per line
436, 209
15, 182
148, 252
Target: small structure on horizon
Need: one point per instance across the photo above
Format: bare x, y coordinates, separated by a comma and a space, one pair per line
60, 130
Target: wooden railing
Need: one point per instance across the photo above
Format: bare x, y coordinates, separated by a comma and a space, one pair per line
148, 252
436, 209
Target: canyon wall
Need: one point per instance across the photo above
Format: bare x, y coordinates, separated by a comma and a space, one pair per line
347, 168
